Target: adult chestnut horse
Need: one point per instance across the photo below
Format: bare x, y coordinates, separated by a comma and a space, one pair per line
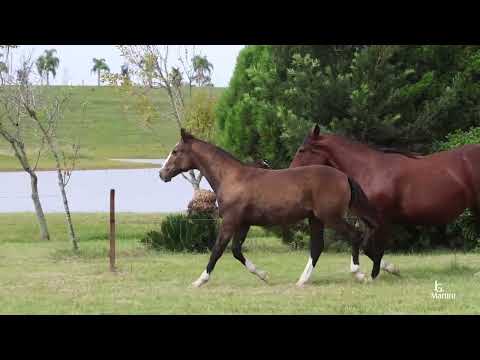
249, 195
405, 188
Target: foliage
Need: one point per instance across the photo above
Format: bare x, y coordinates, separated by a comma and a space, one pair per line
200, 115
99, 66
48, 63
179, 232
387, 95
202, 70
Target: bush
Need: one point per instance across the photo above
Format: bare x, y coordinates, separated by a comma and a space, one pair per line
180, 232
296, 236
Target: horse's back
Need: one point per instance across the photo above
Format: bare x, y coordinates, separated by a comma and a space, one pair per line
425, 185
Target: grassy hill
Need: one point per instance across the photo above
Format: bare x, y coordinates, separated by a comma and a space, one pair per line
111, 127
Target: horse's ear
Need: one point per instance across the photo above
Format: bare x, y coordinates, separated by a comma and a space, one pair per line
316, 130
185, 135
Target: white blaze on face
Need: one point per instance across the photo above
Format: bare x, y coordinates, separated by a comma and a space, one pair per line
168, 157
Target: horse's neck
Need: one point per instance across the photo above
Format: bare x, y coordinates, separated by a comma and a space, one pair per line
215, 165
351, 158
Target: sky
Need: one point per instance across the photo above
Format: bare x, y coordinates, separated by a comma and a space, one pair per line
76, 61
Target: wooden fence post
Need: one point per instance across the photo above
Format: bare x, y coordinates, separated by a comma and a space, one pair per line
112, 230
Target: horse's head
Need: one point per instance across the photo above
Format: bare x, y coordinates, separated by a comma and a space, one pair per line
180, 158
308, 153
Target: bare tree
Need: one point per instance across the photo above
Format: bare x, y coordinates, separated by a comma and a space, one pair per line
13, 124
45, 112
186, 60
47, 125
150, 63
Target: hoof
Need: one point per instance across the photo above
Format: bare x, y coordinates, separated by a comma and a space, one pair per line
300, 285
359, 276
263, 275
197, 284
392, 269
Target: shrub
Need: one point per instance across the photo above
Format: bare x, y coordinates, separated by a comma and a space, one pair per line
180, 232
295, 236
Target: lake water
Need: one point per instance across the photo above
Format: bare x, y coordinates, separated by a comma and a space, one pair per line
136, 190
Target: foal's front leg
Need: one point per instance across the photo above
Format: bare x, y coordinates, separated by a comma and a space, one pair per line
227, 229
238, 240
316, 248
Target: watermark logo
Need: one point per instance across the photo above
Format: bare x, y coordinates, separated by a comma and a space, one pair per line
439, 293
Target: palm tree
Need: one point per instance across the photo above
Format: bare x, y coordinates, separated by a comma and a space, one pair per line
202, 68
50, 64
99, 65
40, 63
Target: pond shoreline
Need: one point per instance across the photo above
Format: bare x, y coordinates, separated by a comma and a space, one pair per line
138, 190
117, 164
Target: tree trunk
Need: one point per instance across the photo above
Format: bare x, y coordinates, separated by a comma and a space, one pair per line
48, 81
38, 208
71, 232
98, 73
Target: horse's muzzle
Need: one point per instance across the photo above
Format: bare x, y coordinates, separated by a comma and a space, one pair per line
164, 177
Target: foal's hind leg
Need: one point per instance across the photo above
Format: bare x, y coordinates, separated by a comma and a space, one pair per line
316, 248
238, 240
347, 230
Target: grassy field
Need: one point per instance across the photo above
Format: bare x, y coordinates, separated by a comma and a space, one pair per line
47, 278
110, 128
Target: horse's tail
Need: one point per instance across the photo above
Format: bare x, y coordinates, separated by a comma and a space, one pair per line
361, 206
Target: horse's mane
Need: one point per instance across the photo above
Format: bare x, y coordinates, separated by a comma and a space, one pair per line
397, 151
219, 150
385, 150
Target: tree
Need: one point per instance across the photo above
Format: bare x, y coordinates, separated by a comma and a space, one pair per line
203, 69
99, 65
13, 126
50, 64
45, 111
46, 120
150, 63
200, 115
41, 67
386, 95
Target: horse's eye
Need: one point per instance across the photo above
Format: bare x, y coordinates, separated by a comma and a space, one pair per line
301, 150
174, 152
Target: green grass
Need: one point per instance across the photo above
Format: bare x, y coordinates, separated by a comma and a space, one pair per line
47, 278
110, 128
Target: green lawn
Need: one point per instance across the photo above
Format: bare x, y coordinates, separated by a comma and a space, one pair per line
110, 128
47, 278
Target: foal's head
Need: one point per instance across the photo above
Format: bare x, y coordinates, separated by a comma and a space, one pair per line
308, 153
180, 159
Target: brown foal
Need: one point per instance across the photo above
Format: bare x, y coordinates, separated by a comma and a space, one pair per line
249, 195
